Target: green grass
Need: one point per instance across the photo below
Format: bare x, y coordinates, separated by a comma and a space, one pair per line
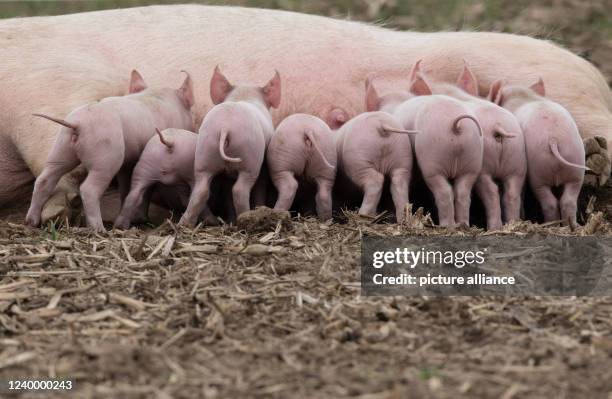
10, 9
602, 22
53, 230
428, 372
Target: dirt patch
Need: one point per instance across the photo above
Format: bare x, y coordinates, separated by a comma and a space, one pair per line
220, 313
263, 219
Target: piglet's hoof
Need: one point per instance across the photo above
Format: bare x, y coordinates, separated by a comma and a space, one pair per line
210, 220
186, 222
121, 224
262, 219
598, 160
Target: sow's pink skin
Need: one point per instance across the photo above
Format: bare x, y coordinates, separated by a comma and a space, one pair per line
371, 146
107, 137
555, 153
448, 146
346, 52
303, 146
233, 139
167, 159
504, 156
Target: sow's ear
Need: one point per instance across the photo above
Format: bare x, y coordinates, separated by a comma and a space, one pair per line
467, 80
186, 91
372, 98
137, 83
538, 87
220, 87
495, 92
419, 86
272, 91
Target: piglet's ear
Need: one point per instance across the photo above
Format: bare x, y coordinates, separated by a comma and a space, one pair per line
372, 97
538, 87
137, 83
186, 91
272, 91
419, 86
416, 68
467, 80
495, 92
220, 87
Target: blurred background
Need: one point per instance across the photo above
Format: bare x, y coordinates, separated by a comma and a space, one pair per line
584, 26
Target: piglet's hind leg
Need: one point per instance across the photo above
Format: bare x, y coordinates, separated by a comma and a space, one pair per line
133, 203
241, 192
463, 197
489, 195
400, 179
62, 160
324, 199
93, 187
443, 194
207, 217
372, 186
513, 188
568, 203
286, 185
548, 202
44, 186
197, 200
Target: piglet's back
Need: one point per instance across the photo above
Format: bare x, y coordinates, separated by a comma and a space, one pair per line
237, 117
545, 121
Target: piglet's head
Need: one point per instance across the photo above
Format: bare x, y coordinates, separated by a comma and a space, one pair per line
373, 100
137, 83
220, 87
386, 102
221, 90
500, 92
495, 92
419, 86
272, 91
467, 81
185, 92
538, 87
416, 68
